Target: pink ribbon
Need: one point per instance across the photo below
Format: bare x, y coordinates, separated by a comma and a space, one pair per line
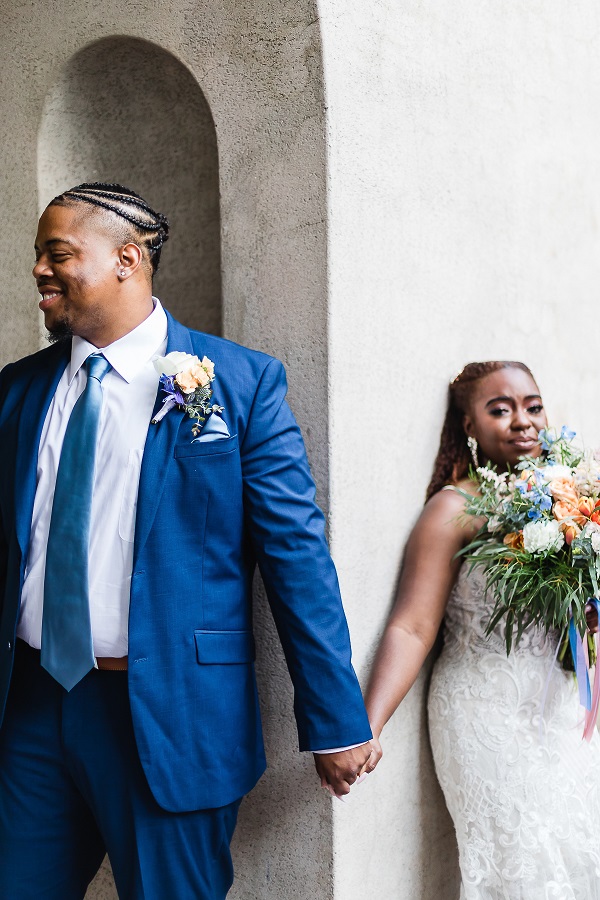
589, 699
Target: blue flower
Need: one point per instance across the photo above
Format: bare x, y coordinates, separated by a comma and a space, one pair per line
172, 389
567, 434
534, 514
546, 439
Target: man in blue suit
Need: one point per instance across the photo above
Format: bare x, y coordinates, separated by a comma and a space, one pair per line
132, 516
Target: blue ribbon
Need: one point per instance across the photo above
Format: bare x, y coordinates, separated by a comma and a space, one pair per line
581, 672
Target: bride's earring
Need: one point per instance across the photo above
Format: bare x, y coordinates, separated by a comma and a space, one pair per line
472, 444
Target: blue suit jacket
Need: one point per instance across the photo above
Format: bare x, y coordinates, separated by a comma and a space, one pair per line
207, 513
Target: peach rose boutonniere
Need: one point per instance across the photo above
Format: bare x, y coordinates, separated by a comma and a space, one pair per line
186, 381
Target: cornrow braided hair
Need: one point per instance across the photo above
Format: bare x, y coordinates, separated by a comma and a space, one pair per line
453, 457
151, 228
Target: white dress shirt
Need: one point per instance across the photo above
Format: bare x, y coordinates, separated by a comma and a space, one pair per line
129, 393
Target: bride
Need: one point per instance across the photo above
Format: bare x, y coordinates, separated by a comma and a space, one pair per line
522, 787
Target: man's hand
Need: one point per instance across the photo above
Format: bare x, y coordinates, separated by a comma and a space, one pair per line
338, 771
591, 617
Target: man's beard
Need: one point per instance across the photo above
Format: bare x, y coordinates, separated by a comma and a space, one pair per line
60, 331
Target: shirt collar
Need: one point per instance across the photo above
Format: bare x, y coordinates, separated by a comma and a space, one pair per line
129, 354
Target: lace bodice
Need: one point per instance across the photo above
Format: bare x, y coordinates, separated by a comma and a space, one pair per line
468, 613
523, 789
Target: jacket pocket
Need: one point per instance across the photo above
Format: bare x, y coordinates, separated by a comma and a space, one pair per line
224, 647
207, 448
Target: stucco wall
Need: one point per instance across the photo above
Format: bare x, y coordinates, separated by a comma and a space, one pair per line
109, 118
464, 209
258, 66
442, 206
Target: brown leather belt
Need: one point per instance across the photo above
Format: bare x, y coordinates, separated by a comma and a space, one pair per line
112, 663
105, 663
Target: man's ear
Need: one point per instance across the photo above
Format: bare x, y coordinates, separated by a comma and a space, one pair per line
130, 260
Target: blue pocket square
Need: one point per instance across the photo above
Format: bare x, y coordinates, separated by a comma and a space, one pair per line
214, 430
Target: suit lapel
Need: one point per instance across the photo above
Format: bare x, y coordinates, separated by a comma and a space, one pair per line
159, 446
34, 407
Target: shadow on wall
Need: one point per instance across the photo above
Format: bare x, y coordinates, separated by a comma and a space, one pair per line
126, 110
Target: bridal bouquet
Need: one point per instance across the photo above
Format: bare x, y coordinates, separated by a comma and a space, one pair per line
539, 546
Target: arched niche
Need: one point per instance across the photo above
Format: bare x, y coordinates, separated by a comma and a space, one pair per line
126, 110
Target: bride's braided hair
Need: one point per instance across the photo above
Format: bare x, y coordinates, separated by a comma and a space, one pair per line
148, 229
453, 458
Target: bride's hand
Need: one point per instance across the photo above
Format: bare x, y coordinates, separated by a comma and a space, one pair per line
375, 756
591, 616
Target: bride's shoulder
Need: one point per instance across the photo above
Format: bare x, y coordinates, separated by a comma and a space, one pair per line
447, 506
453, 495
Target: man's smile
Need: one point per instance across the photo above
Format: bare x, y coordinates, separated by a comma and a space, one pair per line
49, 295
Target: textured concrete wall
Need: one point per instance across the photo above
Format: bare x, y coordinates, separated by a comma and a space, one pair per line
108, 117
89, 107
464, 210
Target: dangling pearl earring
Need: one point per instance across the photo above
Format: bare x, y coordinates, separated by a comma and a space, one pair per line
472, 444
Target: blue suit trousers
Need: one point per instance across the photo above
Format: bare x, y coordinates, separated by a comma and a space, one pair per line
72, 788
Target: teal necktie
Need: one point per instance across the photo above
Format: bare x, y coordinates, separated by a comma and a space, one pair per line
67, 651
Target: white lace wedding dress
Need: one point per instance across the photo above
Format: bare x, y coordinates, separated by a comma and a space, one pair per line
525, 798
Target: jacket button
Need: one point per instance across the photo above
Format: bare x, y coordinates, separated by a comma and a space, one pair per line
10, 645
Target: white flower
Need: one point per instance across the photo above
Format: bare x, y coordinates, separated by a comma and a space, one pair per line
549, 473
489, 475
542, 536
175, 362
493, 480
587, 475
589, 529
592, 531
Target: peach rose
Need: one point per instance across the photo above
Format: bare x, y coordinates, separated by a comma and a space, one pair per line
200, 375
564, 489
209, 366
570, 532
186, 381
192, 378
564, 510
514, 540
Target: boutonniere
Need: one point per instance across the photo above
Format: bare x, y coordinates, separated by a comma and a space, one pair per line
186, 381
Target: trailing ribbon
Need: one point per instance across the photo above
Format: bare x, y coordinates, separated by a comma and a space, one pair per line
581, 669
591, 715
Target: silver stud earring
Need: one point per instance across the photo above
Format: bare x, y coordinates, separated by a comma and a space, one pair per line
472, 444
122, 273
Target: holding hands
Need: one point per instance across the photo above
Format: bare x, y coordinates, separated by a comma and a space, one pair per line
339, 771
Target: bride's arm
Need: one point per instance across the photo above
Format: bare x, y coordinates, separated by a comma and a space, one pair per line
428, 574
